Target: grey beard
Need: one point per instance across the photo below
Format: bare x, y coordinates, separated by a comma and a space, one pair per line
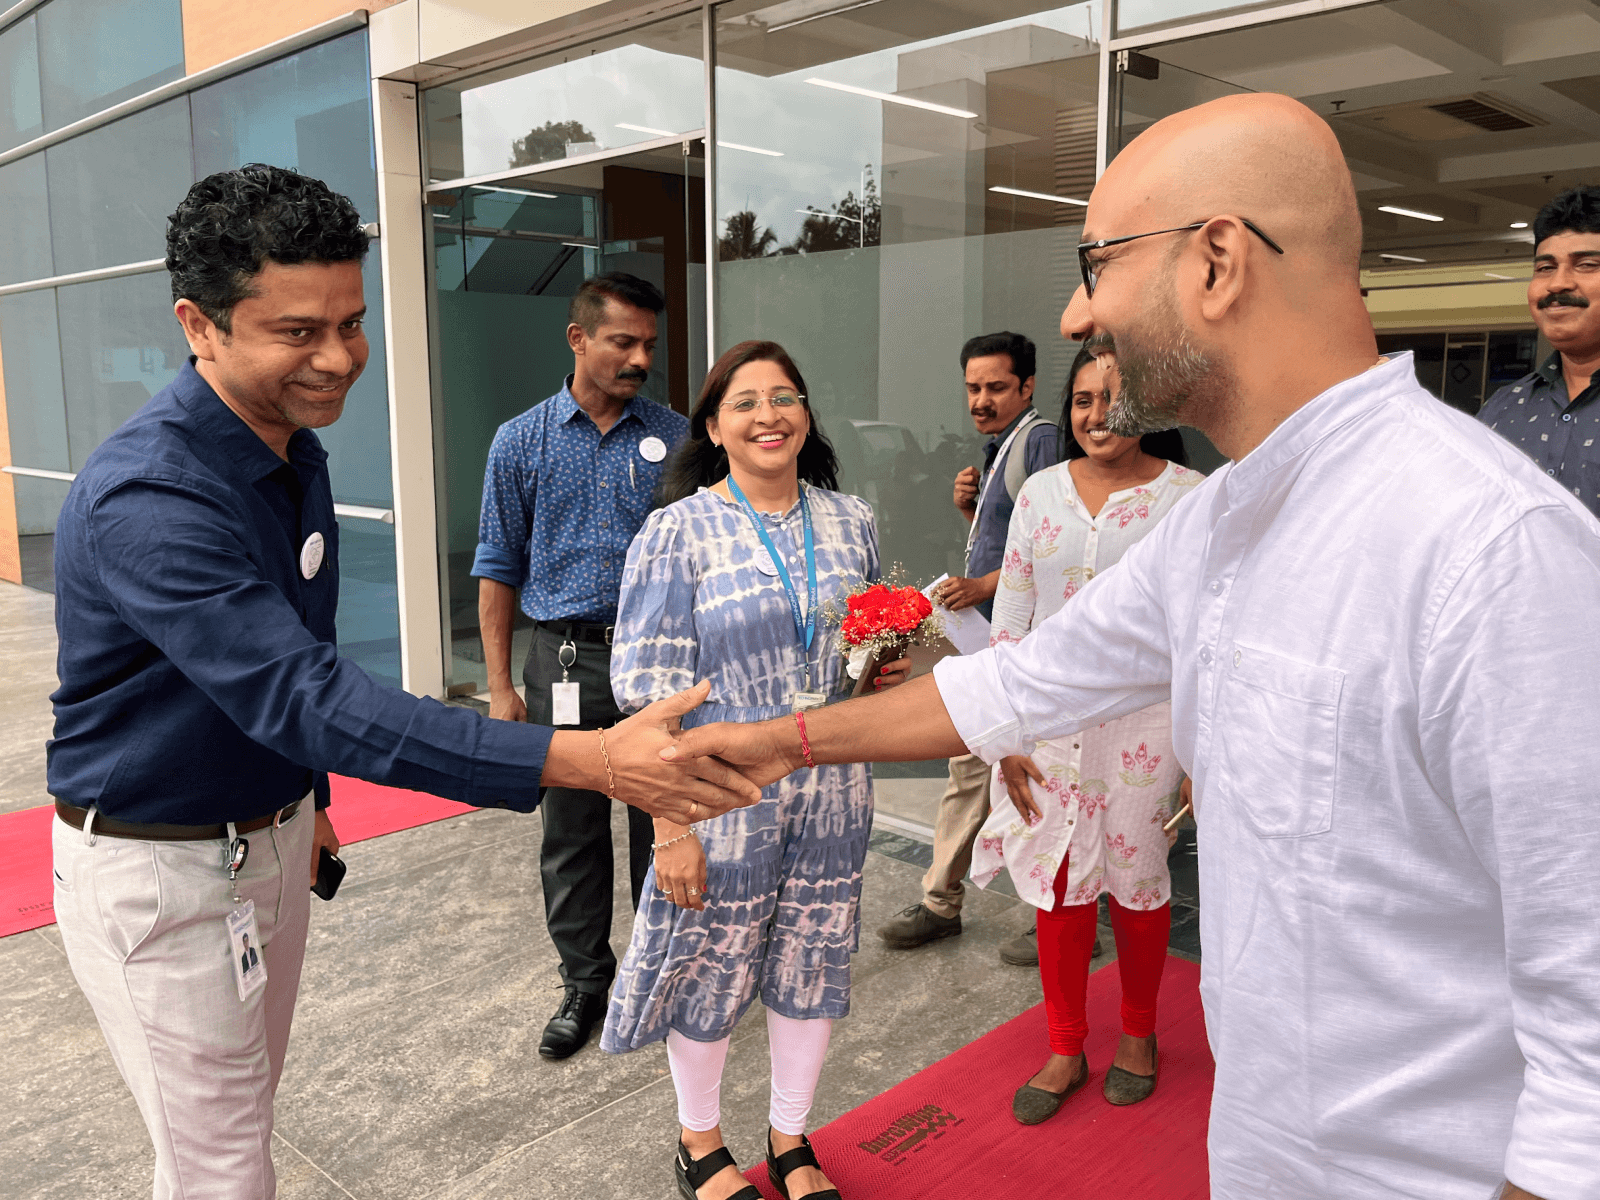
1158, 386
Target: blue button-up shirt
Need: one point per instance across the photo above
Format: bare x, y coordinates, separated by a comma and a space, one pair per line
199, 678
1562, 438
561, 503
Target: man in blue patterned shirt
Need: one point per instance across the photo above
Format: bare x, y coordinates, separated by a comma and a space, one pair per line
569, 483
1553, 413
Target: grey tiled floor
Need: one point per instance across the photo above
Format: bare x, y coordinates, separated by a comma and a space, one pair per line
412, 1071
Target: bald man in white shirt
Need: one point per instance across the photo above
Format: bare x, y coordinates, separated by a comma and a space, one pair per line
1379, 628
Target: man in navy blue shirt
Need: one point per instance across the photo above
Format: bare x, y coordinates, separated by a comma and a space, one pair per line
1553, 413
569, 483
202, 700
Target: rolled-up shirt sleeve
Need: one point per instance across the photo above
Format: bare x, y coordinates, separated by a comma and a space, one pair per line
503, 521
172, 566
1104, 654
1509, 709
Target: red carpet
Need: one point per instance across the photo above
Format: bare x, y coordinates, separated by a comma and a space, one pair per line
360, 810
947, 1133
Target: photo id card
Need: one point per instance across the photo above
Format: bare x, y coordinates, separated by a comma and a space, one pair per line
564, 704
249, 968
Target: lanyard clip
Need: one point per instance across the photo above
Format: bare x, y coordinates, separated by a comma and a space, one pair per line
566, 656
238, 852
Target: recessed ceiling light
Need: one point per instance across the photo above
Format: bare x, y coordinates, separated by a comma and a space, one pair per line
1401, 258
750, 149
724, 145
1408, 212
1010, 191
646, 129
908, 101
1492, 275
489, 187
1519, 224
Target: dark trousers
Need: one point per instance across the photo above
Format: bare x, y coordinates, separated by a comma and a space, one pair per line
576, 862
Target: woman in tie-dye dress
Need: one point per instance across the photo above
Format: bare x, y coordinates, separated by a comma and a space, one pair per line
761, 902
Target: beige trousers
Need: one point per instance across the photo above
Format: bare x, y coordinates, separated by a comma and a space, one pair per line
144, 928
962, 811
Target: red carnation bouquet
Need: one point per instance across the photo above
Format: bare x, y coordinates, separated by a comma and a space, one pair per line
882, 622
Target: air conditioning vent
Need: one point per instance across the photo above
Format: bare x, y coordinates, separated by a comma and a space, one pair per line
1447, 119
1484, 116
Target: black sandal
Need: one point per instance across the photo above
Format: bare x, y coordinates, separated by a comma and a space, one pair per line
694, 1173
781, 1166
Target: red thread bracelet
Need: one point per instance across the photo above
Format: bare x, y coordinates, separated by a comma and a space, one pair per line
805, 742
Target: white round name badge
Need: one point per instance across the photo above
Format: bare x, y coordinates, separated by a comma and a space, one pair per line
652, 449
311, 556
764, 563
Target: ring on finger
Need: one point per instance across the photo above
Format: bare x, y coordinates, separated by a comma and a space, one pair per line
694, 809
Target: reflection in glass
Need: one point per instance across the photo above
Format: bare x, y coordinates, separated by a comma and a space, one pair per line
1137, 14
358, 442
36, 414
25, 250
96, 53
921, 191
369, 605
923, 196
111, 189
21, 117
309, 111
120, 345
39, 503
635, 87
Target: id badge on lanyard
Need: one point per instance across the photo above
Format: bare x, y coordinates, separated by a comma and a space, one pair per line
805, 628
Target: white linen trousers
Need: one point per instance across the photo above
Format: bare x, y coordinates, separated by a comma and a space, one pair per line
144, 926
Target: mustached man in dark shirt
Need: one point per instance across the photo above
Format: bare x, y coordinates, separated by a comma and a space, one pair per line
1553, 413
203, 700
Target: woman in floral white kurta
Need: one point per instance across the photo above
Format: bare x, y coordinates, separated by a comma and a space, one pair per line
1109, 789
1082, 815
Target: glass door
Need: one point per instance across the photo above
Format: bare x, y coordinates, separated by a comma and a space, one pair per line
508, 257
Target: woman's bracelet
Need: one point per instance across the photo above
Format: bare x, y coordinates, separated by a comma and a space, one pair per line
671, 841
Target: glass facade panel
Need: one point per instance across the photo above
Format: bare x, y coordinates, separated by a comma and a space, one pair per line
369, 599
112, 189
310, 111
38, 504
633, 88
25, 250
508, 258
1140, 14
903, 177
96, 53
21, 117
30, 352
120, 345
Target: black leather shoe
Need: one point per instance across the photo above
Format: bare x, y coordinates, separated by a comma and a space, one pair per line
574, 1021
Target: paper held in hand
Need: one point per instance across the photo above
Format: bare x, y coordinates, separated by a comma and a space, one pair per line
966, 629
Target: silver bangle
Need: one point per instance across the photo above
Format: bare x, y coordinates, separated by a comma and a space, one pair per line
671, 841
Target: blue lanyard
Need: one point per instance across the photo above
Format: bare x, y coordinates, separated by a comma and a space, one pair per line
805, 630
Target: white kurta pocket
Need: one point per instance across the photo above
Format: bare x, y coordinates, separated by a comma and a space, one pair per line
1278, 726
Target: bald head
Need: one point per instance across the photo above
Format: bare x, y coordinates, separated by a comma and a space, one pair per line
1263, 156
1244, 302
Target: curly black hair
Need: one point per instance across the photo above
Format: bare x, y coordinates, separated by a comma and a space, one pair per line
1576, 210
232, 222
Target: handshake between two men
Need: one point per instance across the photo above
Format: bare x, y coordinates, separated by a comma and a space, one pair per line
688, 775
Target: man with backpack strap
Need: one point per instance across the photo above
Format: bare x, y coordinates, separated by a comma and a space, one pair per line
999, 370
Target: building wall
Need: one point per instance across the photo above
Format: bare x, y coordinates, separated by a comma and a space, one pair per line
217, 30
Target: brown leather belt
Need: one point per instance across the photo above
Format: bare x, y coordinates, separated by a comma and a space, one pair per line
111, 827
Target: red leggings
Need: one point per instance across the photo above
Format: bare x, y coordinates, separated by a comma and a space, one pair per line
1066, 944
